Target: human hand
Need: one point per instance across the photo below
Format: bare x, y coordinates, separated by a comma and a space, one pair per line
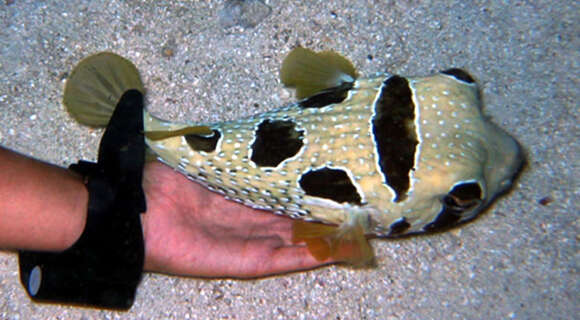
192, 231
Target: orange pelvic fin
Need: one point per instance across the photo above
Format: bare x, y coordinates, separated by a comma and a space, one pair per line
344, 243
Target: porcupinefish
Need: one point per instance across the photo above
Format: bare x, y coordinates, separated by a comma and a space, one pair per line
354, 158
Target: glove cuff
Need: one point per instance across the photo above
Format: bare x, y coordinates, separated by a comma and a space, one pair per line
103, 268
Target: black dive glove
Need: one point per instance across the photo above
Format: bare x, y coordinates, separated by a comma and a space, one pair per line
103, 268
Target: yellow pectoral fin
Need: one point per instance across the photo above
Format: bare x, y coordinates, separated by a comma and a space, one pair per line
319, 248
303, 230
317, 237
161, 135
341, 243
353, 248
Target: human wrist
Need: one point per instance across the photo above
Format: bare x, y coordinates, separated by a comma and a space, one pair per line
78, 212
44, 206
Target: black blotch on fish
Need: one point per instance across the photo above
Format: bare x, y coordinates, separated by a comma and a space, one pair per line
330, 184
395, 135
327, 96
203, 143
399, 227
276, 141
461, 198
459, 75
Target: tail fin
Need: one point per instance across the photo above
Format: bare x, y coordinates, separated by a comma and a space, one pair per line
95, 86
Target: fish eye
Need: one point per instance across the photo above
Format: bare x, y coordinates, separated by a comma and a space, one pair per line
462, 197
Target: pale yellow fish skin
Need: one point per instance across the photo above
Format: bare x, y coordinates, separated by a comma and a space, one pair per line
457, 143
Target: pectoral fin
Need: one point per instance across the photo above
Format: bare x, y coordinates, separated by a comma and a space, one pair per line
341, 243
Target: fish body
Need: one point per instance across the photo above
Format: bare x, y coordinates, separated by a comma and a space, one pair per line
385, 155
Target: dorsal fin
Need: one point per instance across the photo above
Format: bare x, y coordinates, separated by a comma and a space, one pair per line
311, 72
